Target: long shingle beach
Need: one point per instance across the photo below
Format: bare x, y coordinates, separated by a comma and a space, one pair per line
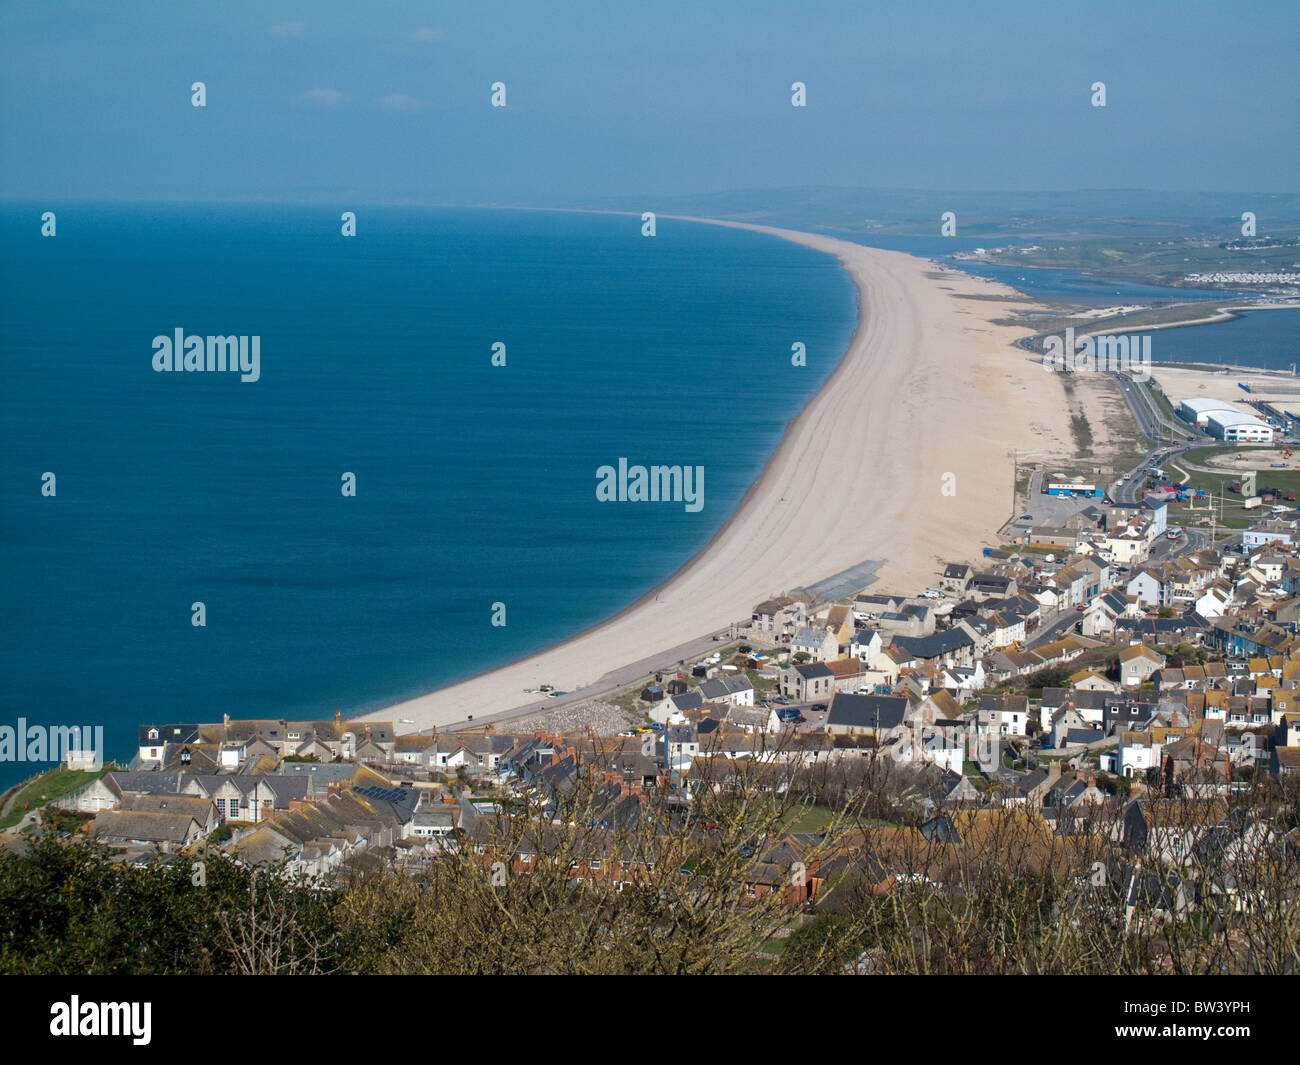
903, 456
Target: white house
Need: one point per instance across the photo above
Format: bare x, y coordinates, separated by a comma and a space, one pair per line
1213, 601
1138, 752
1148, 588
865, 645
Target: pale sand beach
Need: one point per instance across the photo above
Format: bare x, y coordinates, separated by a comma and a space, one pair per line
903, 456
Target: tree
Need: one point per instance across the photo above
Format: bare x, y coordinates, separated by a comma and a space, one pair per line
71, 908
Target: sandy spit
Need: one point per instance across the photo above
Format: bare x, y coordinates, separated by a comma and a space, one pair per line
904, 455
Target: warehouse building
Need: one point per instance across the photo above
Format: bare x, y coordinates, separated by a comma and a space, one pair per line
1225, 420
1242, 428
1197, 411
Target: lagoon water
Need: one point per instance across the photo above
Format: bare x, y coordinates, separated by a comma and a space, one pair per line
475, 484
1268, 339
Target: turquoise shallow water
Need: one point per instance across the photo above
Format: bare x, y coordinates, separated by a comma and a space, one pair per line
475, 484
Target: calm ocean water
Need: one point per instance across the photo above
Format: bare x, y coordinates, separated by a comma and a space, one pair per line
475, 484
1267, 339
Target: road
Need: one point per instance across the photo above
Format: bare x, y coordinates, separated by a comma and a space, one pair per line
1155, 428
1053, 627
665, 662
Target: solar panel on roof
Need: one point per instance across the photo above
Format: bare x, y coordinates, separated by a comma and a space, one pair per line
375, 791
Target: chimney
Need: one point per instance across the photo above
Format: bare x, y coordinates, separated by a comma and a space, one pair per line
1054, 770
338, 717
367, 733
225, 720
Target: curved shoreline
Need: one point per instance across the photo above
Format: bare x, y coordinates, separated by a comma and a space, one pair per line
827, 451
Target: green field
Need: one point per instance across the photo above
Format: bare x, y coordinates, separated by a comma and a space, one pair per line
1233, 515
1144, 258
48, 786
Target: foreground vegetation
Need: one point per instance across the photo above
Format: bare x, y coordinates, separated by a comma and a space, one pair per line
722, 888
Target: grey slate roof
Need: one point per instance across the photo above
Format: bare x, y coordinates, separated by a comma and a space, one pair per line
721, 687
168, 734
867, 711
936, 644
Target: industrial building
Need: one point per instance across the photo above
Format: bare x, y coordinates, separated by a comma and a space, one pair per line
1242, 428
1197, 411
1227, 421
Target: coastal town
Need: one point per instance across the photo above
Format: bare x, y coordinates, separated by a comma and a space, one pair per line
1084, 681
429, 655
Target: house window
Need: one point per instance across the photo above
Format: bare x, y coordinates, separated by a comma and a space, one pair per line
595, 863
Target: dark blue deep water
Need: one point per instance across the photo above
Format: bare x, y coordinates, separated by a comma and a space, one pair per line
475, 484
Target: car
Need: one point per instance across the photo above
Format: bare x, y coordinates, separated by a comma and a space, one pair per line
1026, 517
818, 708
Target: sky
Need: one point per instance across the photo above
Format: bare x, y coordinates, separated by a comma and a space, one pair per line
380, 102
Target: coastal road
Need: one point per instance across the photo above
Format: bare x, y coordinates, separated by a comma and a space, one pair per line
1154, 423
1156, 428
663, 662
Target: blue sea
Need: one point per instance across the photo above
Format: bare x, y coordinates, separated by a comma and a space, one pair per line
475, 484
1268, 339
